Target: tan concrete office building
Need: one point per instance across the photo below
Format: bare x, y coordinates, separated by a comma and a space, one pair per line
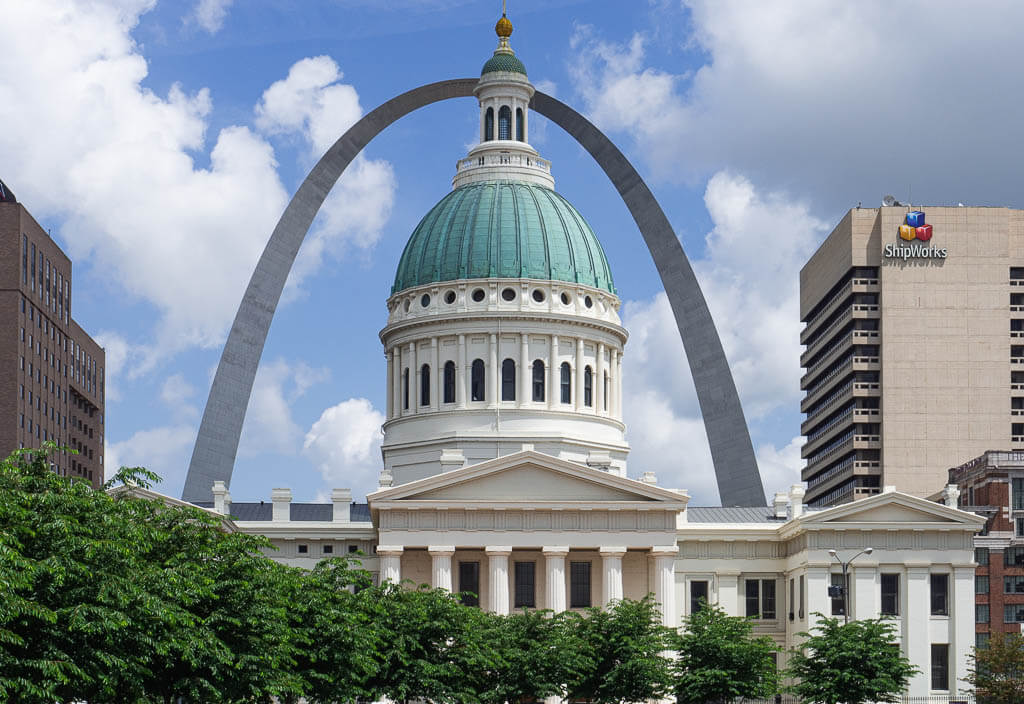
51, 371
914, 347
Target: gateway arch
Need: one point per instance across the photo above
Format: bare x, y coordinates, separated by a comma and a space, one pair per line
213, 457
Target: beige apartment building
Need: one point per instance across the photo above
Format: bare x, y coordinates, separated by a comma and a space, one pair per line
51, 371
913, 347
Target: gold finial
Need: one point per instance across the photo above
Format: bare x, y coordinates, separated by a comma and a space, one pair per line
503, 28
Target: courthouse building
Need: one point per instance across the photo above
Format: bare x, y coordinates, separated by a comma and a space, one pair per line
504, 471
52, 379
914, 347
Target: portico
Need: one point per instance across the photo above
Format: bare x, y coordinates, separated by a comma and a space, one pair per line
530, 530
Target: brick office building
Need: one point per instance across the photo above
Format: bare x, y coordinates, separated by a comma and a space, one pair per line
51, 371
993, 485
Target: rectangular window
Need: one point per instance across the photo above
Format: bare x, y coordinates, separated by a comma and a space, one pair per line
1018, 494
838, 601
890, 594
1013, 557
792, 599
760, 598
801, 613
940, 594
1020, 527
469, 583
981, 613
940, 666
1013, 613
328, 549
980, 640
579, 584
525, 574
981, 556
698, 595
303, 549
981, 584
1013, 585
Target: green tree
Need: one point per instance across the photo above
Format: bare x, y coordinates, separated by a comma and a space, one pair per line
849, 663
718, 659
997, 671
622, 649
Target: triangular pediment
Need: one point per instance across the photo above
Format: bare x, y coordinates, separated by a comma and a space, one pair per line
894, 508
528, 477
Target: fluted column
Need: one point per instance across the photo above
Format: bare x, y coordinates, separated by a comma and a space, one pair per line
435, 378
391, 384
441, 565
460, 376
390, 563
497, 562
579, 374
665, 582
525, 369
414, 379
554, 591
396, 390
599, 381
613, 386
618, 372
492, 371
611, 583
554, 389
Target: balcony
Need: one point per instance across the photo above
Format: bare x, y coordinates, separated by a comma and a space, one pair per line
839, 447
858, 363
825, 399
857, 337
836, 302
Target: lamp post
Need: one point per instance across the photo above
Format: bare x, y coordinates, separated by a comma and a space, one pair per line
846, 578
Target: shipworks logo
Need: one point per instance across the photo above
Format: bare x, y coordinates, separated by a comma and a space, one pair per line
914, 228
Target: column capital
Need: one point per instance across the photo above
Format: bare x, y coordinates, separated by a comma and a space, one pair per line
664, 550
611, 551
498, 550
390, 550
441, 550
555, 550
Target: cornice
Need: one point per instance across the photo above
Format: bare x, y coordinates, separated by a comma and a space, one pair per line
403, 328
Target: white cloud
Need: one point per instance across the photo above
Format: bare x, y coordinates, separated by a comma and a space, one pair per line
164, 450
177, 394
210, 14
826, 99
344, 444
269, 424
780, 468
757, 245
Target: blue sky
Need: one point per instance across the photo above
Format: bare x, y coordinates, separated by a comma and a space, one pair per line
159, 142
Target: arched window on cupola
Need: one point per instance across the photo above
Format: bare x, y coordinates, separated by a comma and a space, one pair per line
520, 126
538, 380
489, 125
565, 372
449, 382
505, 122
508, 380
405, 389
425, 385
476, 385
588, 387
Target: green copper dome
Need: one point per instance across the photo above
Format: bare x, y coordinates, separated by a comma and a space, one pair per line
503, 229
503, 62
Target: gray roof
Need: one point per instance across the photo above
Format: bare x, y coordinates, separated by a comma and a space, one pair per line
264, 511
731, 514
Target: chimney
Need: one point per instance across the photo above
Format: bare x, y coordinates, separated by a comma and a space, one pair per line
342, 500
796, 501
282, 499
221, 498
781, 503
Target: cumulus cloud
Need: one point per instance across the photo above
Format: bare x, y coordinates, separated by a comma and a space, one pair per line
759, 331
344, 444
826, 99
164, 450
269, 424
210, 14
118, 166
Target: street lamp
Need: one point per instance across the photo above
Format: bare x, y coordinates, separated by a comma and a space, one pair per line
846, 579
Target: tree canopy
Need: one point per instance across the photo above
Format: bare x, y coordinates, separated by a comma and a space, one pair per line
996, 671
850, 663
719, 660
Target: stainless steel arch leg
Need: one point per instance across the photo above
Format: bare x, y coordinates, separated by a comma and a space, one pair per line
213, 456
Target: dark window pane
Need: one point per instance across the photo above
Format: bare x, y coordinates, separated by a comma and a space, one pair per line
566, 383
579, 584
940, 666
508, 380
525, 573
838, 602
405, 389
469, 583
753, 607
489, 125
890, 594
981, 613
981, 584
425, 385
505, 122
449, 382
698, 594
940, 594
767, 598
981, 556
588, 387
477, 381
538, 380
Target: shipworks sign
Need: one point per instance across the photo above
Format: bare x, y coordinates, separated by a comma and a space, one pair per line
913, 236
